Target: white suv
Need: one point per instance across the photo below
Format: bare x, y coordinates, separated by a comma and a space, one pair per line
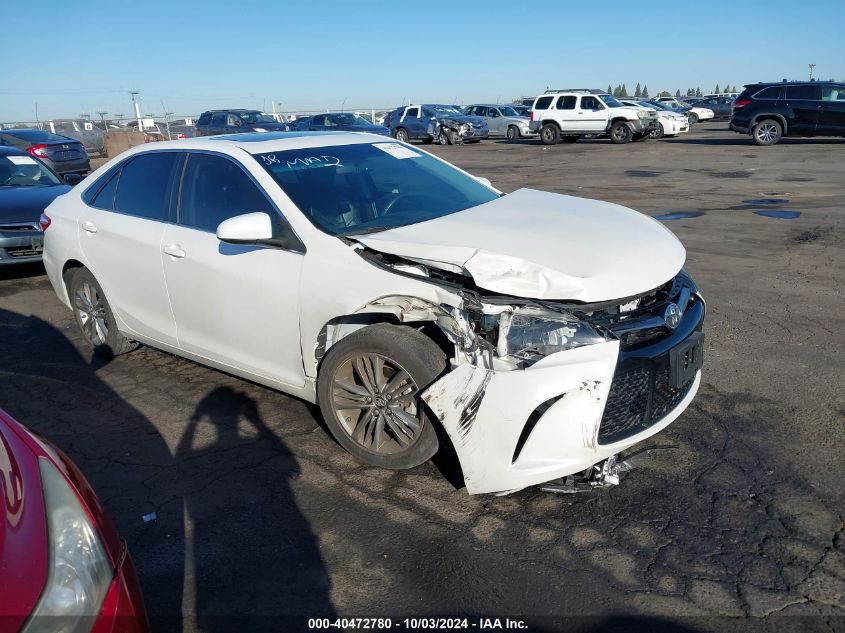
570, 114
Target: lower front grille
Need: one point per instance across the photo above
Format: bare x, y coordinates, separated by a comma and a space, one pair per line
640, 396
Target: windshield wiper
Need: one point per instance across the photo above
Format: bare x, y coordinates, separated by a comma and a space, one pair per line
364, 231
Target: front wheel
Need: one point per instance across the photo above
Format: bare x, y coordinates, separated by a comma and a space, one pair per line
620, 133
550, 134
513, 133
94, 316
766, 132
692, 118
401, 135
369, 389
657, 132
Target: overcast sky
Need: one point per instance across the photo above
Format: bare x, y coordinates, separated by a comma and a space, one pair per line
189, 56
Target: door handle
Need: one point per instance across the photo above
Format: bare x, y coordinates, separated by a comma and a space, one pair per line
90, 227
174, 250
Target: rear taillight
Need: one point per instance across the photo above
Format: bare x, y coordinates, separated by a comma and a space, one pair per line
44, 221
531, 115
38, 150
741, 103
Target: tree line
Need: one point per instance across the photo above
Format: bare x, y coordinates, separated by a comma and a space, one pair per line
641, 92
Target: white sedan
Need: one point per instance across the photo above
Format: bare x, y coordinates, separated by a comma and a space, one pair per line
694, 113
668, 123
544, 334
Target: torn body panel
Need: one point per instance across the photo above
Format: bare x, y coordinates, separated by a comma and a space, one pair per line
485, 411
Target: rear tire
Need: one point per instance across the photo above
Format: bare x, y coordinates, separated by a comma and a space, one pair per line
94, 316
550, 134
513, 133
374, 377
766, 132
620, 133
401, 135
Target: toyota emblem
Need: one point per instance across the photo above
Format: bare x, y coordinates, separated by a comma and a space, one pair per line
672, 316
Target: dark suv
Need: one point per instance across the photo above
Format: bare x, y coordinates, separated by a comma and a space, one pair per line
235, 121
769, 111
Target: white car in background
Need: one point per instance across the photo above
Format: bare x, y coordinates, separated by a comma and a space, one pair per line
694, 113
544, 334
668, 123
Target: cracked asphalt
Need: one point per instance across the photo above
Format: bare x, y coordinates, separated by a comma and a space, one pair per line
261, 514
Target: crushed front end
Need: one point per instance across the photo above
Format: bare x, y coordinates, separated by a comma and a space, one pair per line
541, 389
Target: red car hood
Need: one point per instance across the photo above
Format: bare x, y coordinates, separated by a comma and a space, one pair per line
23, 527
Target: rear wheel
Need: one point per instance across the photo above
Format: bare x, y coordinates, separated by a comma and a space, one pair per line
513, 133
369, 390
401, 135
550, 134
620, 133
766, 132
94, 316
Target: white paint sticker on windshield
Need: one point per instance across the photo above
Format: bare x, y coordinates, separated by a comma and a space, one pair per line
396, 150
22, 160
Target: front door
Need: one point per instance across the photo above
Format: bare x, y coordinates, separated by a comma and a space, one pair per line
120, 234
412, 122
234, 304
832, 111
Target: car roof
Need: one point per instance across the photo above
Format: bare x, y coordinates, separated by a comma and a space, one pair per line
262, 142
796, 82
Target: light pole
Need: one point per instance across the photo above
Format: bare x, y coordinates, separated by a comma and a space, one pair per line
811, 70
103, 114
137, 106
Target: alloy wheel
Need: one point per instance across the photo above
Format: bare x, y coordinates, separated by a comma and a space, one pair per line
767, 132
92, 314
376, 402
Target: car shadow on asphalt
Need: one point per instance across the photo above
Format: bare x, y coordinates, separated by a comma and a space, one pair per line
228, 546
746, 140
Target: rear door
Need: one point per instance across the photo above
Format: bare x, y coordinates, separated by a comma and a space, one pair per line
120, 234
218, 123
832, 111
234, 304
412, 122
803, 101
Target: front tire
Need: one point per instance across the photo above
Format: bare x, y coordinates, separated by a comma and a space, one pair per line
658, 132
401, 134
620, 133
692, 118
513, 133
550, 134
94, 316
766, 132
369, 389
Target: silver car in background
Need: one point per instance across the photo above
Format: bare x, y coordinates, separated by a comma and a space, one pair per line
502, 120
84, 131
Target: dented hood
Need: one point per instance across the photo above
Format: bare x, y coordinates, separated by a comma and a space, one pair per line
543, 245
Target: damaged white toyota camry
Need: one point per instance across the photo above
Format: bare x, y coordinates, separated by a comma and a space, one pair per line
541, 334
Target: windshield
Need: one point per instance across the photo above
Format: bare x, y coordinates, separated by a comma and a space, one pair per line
363, 188
25, 171
508, 111
612, 102
655, 105
256, 117
349, 119
442, 110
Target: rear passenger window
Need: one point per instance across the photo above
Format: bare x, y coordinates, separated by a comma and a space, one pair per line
145, 184
105, 198
567, 102
803, 93
773, 92
543, 103
216, 189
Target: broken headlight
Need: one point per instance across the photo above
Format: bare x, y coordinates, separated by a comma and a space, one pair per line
531, 332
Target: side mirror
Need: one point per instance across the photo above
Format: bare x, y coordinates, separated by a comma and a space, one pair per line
249, 228
72, 179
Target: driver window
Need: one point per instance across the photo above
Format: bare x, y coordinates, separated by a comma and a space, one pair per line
233, 121
493, 113
331, 121
590, 103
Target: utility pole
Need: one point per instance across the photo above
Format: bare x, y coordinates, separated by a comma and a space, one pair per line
166, 120
137, 106
103, 114
812, 66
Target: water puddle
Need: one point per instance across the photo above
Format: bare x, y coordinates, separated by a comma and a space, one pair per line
643, 173
765, 201
779, 214
678, 215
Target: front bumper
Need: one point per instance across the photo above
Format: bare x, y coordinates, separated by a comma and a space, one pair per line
20, 244
570, 410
